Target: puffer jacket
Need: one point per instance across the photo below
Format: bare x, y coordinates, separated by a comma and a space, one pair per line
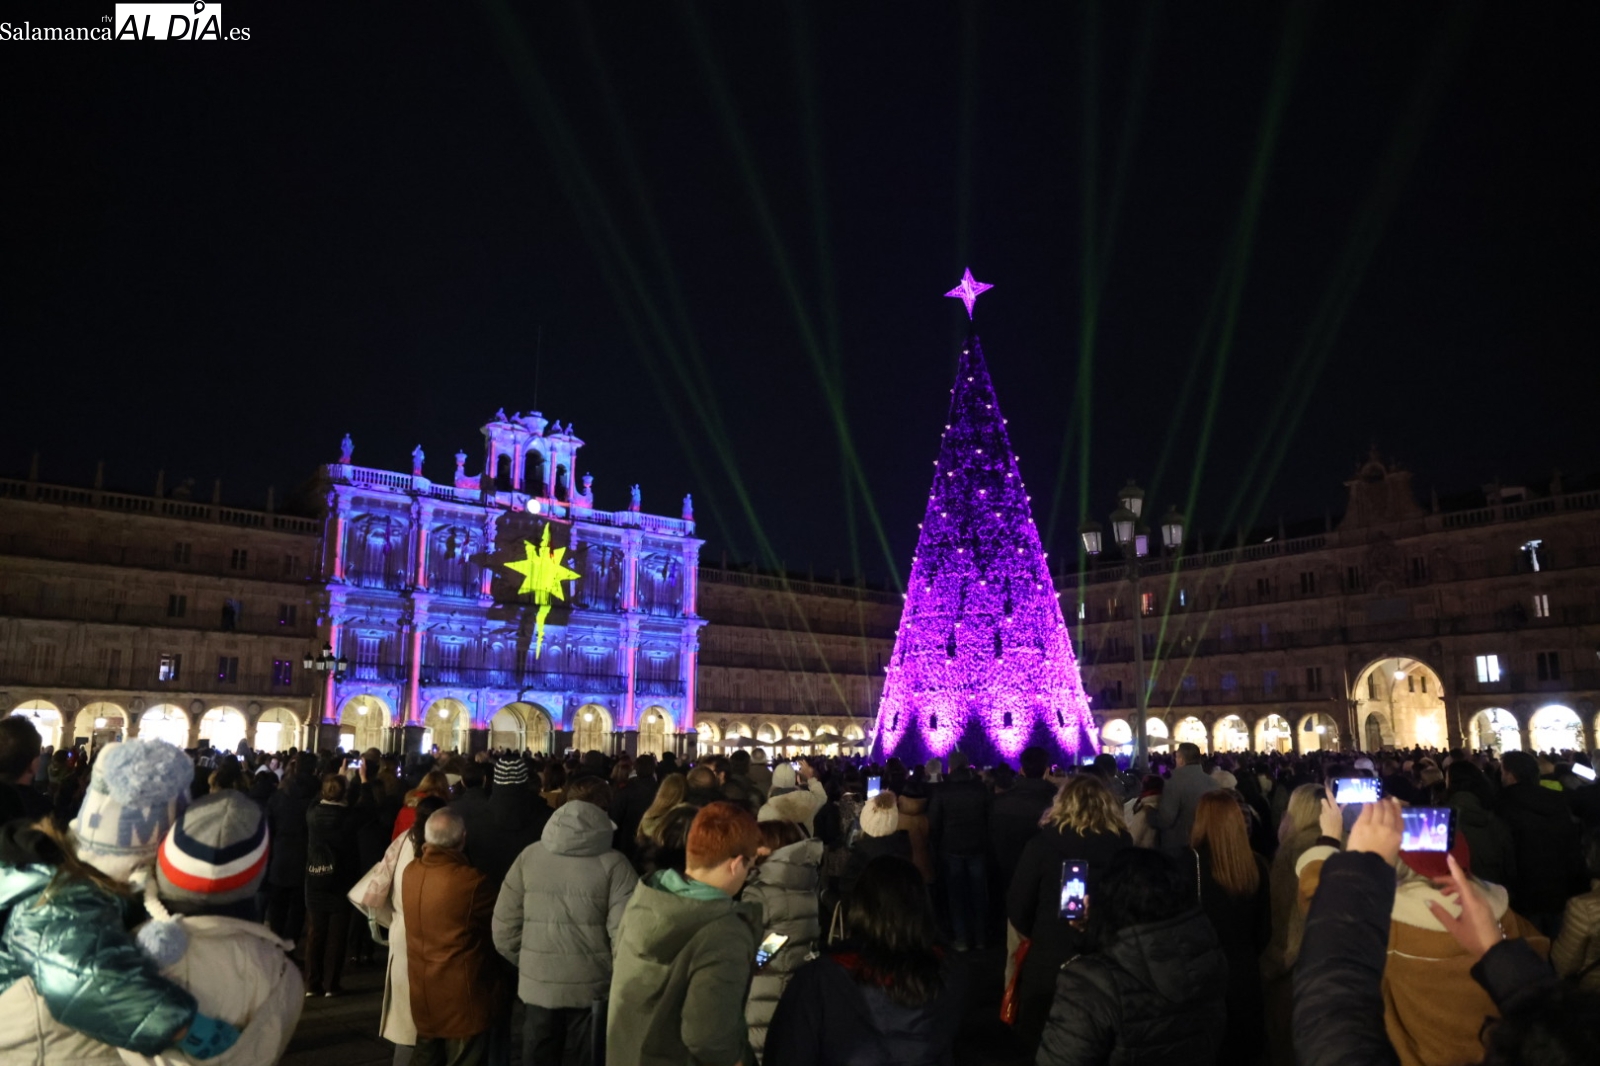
1153, 996
1494, 852
75, 981
1577, 949
558, 912
786, 887
503, 828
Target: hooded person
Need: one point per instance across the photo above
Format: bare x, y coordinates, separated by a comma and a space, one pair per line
790, 801
203, 935
1433, 1008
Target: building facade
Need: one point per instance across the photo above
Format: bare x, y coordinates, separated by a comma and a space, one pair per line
1476, 626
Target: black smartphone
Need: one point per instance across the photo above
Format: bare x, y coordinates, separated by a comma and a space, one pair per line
1356, 790
1074, 889
769, 947
1427, 828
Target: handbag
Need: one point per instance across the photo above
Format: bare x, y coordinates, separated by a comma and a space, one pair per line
373, 894
1008, 1002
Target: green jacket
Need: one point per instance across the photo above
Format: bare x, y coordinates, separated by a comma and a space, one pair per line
685, 955
85, 964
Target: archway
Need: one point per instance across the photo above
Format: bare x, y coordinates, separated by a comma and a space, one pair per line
798, 740
1408, 695
102, 722
827, 740
1495, 729
1273, 734
222, 728
278, 729
46, 718
451, 721
1556, 728
1156, 736
363, 721
165, 721
1116, 737
1192, 730
521, 726
1318, 732
1232, 734
653, 730
768, 733
591, 729
856, 738
709, 739
736, 735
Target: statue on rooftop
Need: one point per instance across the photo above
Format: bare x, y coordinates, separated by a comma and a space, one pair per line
633, 504
688, 507
416, 461
347, 448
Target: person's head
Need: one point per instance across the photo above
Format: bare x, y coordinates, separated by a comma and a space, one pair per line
473, 775
227, 776
881, 816
958, 761
669, 794
1304, 811
445, 829
739, 763
135, 794
425, 806
1105, 765
1139, 886
1558, 1027
671, 839
724, 842
20, 745
893, 930
1084, 805
702, 779
1001, 778
214, 857
621, 772
510, 771
1035, 761
333, 788
644, 765
1518, 768
305, 764
590, 788
1188, 754
1219, 827
777, 834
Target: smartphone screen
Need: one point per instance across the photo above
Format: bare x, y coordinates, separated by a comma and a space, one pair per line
1426, 828
769, 947
874, 786
1583, 771
1355, 790
1074, 889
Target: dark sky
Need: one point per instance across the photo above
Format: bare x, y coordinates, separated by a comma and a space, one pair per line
221, 256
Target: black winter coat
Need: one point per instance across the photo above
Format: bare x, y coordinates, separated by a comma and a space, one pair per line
827, 1018
1338, 978
628, 808
1547, 848
1014, 820
865, 849
1244, 928
513, 819
286, 822
958, 817
335, 826
1033, 906
1153, 996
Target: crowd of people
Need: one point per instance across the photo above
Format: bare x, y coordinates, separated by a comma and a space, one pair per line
166, 906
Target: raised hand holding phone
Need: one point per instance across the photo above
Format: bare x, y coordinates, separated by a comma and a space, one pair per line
1377, 830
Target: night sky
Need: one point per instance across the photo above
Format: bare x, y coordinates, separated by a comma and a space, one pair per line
222, 256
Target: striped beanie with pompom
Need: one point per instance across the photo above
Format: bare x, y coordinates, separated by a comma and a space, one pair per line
216, 854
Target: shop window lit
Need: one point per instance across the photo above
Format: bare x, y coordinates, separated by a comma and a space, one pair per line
1488, 669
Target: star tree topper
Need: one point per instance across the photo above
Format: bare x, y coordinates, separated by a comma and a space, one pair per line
969, 290
542, 575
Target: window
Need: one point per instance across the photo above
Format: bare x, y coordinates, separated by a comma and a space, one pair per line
1424, 681
1083, 610
1488, 669
1372, 686
1263, 587
1265, 632
181, 550
1352, 578
111, 665
1308, 583
1419, 568
1313, 679
231, 612
1223, 593
1191, 682
1183, 597
240, 559
282, 673
1549, 666
1411, 683
286, 613
1147, 603
228, 668
1541, 605
168, 665
1111, 607
44, 657
1230, 681
291, 566
177, 605
1269, 680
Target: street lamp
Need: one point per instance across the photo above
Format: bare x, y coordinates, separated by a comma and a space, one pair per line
324, 662
1134, 541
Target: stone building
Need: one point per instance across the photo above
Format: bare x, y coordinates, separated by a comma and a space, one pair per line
1473, 624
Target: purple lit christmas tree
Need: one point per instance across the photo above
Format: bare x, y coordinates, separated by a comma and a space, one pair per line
982, 660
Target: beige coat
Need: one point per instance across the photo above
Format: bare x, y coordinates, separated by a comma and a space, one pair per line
1578, 946
395, 1024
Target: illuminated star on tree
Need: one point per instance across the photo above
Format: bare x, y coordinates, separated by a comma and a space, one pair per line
542, 575
969, 289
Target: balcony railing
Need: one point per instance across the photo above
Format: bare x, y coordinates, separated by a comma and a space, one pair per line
159, 506
659, 686
192, 678
843, 664
260, 566
145, 614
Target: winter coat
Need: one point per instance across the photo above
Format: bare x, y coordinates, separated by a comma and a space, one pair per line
742, 790
682, 973
1288, 921
1173, 817
331, 829
450, 959
1014, 820
785, 885
1033, 906
914, 821
1546, 844
628, 809
1153, 996
286, 828
510, 822
394, 1022
1494, 852
1243, 925
799, 805
74, 979
1578, 947
1433, 1009
239, 972
828, 1018
865, 849
558, 913
959, 816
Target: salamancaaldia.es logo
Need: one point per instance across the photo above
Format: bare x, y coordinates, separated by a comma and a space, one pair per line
193, 20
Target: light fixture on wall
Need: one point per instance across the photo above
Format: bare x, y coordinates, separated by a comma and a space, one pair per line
588, 716
361, 708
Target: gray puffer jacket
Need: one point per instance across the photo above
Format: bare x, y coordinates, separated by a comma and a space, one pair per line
786, 887
560, 907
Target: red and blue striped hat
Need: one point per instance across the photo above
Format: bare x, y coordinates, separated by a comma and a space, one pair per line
216, 852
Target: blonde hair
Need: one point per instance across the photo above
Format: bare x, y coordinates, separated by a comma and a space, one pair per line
71, 868
1304, 811
669, 794
1085, 805
1219, 825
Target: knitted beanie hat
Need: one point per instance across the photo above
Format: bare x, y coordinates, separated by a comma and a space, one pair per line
136, 791
783, 777
881, 817
510, 770
216, 853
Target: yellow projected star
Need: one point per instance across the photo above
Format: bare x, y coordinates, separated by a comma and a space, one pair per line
542, 575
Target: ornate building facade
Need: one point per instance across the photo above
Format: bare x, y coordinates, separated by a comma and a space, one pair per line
1477, 625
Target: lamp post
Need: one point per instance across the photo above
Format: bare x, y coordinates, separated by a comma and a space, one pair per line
1134, 540
323, 663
